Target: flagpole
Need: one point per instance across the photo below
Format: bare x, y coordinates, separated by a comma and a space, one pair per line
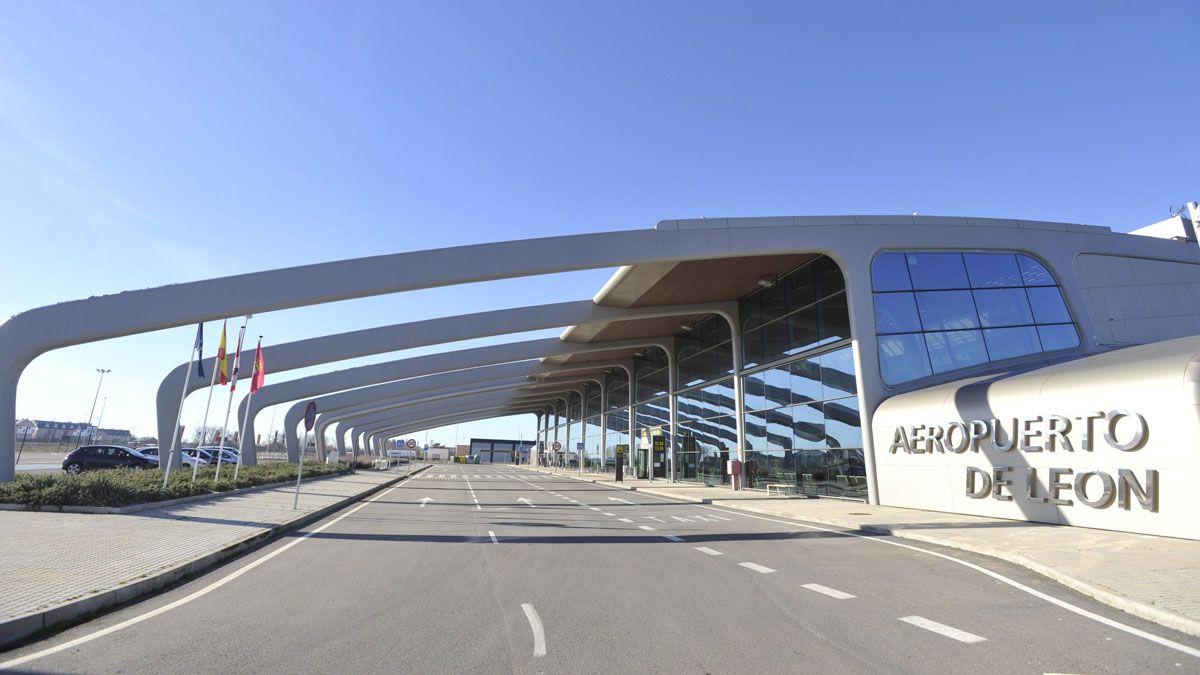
237, 360
254, 375
178, 417
211, 385
238, 467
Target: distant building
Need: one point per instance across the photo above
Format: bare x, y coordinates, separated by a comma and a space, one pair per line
49, 431
500, 451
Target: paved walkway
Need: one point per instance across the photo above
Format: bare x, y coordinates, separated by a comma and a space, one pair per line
1156, 578
58, 565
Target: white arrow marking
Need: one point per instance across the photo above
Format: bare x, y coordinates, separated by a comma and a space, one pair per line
424, 501
617, 499
527, 502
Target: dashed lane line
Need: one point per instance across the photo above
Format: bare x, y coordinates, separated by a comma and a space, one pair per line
825, 590
708, 551
942, 629
672, 537
757, 568
493, 536
646, 527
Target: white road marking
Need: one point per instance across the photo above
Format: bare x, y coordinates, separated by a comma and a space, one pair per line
424, 501
645, 527
1171, 644
609, 514
825, 590
626, 520
615, 499
527, 501
13, 663
943, 629
539, 633
672, 537
723, 518
593, 508
655, 519
681, 519
493, 536
708, 551
756, 567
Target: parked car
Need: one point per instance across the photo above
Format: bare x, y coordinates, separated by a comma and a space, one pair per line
188, 460
228, 455
89, 457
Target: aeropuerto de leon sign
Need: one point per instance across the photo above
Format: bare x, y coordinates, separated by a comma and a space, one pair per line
1122, 430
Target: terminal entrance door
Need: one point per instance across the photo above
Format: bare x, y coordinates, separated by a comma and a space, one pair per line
687, 459
643, 463
659, 445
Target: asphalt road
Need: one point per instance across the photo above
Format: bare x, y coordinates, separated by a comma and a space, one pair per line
601, 580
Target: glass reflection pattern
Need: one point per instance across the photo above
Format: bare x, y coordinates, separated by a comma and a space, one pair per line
803, 426
940, 312
804, 310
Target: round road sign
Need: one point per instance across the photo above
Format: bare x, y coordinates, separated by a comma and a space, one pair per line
411, 443
310, 415
557, 446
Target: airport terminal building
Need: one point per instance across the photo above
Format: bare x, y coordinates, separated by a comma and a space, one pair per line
1027, 370
1017, 369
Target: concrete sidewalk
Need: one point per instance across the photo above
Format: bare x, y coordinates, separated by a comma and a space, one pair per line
1155, 578
57, 566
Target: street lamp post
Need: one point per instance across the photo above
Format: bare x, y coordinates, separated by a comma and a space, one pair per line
95, 398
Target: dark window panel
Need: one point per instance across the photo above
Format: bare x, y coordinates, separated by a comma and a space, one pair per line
835, 318
1058, 337
775, 341
801, 288
902, 358
936, 271
1007, 343
804, 330
956, 349
992, 270
1047, 305
946, 310
1003, 307
828, 277
896, 313
889, 272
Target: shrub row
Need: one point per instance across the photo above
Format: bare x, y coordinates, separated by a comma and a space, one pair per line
124, 487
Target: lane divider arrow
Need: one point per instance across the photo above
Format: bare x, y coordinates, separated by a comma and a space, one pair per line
527, 502
424, 501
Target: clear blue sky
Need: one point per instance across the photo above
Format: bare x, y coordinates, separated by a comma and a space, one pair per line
148, 143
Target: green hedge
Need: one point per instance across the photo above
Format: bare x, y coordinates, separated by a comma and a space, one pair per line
123, 487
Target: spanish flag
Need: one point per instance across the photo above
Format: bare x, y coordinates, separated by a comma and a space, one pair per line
260, 369
222, 359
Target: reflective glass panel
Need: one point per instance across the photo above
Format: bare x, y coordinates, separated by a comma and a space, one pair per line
903, 358
1034, 273
933, 271
992, 270
896, 313
946, 310
1003, 307
1048, 306
775, 341
803, 330
889, 272
1058, 337
801, 290
843, 426
828, 276
1007, 343
806, 380
956, 349
808, 426
837, 374
835, 318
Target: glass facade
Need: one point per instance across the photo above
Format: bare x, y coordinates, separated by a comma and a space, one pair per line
937, 312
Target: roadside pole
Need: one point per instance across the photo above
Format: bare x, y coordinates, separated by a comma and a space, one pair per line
187, 379
211, 385
310, 418
233, 378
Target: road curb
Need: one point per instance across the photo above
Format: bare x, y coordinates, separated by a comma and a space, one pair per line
1162, 617
22, 627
